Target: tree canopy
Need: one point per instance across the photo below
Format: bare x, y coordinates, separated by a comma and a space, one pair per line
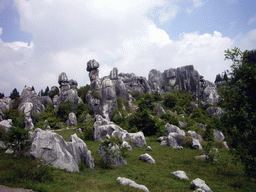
239, 104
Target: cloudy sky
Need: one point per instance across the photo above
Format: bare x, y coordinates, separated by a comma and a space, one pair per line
39, 39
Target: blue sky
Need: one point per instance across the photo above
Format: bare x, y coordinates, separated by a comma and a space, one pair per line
42, 38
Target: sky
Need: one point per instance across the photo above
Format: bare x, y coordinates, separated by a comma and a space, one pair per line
39, 39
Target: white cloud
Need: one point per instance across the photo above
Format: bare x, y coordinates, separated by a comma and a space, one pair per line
67, 34
1, 30
246, 41
252, 19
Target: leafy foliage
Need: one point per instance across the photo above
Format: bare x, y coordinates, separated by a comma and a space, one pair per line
239, 102
170, 100
17, 138
64, 109
16, 116
1, 95
170, 118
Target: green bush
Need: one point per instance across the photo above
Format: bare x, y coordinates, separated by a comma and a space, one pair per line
199, 115
208, 135
64, 109
170, 118
17, 138
81, 108
170, 100
16, 116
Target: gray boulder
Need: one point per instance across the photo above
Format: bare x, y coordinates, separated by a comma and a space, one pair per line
211, 95
73, 84
126, 145
113, 74
6, 124
194, 135
30, 105
5, 104
218, 135
104, 127
201, 184
149, 148
55, 101
72, 120
159, 109
92, 68
214, 111
196, 144
182, 125
180, 175
52, 148
94, 104
45, 100
193, 105
174, 128
147, 158
124, 181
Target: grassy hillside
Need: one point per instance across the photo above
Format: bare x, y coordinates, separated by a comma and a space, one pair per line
219, 176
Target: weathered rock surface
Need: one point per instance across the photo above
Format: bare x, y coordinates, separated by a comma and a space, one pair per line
159, 109
196, 144
72, 120
5, 103
194, 135
6, 124
52, 148
211, 95
201, 184
149, 148
67, 92
218, 135
180, 174
104, 127
30, 105
126, 145
174, 128
124, 181
214, 111
147, 158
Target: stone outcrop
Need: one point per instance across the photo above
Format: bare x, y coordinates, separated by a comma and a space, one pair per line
67, 91
147, 158
211, 95
52, 148
124, 181
6, 124
174, 137
72, 120
30, 105
201, 184
218, 135
214, 111
103, 128
5, 104
180, 175
45, 100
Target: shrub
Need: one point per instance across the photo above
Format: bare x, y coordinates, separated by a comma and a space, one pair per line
16, 116
81, 108
170, 100
64, 110
17, 138
199, 115
208, 135
170, 118
187, 142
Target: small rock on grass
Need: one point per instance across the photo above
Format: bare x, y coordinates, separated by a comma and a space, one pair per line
180, 174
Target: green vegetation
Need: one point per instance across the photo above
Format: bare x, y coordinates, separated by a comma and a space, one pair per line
239, 103
14, 94
82, 92
223, 175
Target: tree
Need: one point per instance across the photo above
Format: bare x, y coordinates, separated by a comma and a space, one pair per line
239, 102
1, 95
14, 94
46, 92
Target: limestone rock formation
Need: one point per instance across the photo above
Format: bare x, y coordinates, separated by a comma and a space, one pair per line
201, 184
147, 158
180, 174
45, 100
30, 105
103, 128
6, 124
218, 135
124, 181
67, 91
214, 111
52, 148
211, 95
72, 120
5, 104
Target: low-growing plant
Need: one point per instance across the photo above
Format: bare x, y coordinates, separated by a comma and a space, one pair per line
170, 100
170, 118
64, 109
17, 139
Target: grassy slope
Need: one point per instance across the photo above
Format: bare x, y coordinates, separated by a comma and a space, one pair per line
220, 176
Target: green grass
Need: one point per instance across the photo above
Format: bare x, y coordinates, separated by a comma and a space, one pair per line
219, 176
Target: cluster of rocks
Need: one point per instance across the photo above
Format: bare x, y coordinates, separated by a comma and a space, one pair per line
174, 137
197, 183
103, 128
53, 149
124, 181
